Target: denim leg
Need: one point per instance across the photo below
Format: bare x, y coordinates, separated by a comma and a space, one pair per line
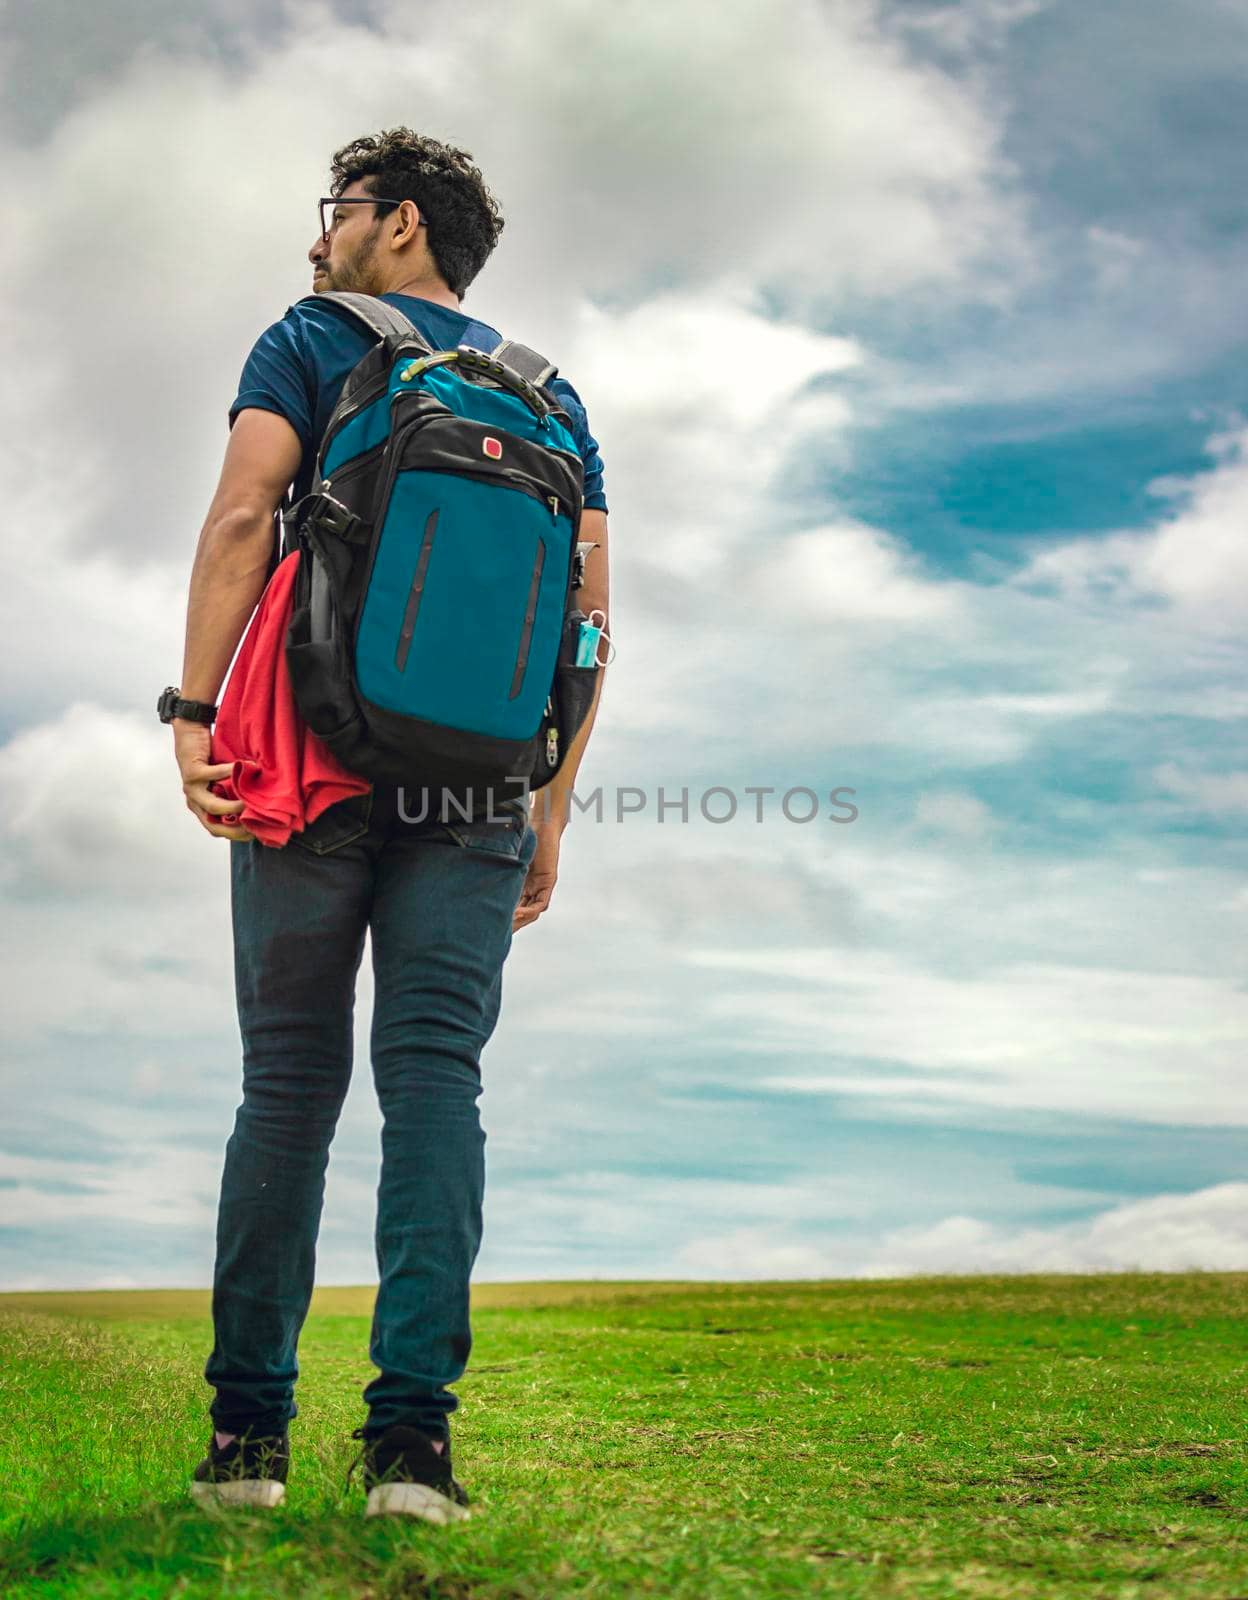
299, 925
441, 931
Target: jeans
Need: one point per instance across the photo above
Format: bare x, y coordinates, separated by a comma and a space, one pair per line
438, 898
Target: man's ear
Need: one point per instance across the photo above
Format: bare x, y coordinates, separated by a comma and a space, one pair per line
407, 229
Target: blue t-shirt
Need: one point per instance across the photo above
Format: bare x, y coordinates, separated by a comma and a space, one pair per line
297, 368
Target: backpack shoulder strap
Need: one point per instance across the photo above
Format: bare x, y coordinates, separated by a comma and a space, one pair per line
377, 316
381, 318
520, 358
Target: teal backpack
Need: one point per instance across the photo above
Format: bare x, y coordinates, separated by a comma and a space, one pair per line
433, 636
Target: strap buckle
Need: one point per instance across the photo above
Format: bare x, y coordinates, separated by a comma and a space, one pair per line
327, 514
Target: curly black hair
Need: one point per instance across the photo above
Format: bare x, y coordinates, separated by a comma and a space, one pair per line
463, 217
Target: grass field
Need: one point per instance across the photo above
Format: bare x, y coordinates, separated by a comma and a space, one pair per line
1043, 1437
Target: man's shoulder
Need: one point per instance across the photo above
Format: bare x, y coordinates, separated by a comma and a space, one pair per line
302, 332
314, 316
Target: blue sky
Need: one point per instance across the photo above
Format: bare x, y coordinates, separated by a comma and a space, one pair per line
913, 335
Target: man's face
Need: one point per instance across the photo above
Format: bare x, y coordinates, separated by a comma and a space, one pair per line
349, 260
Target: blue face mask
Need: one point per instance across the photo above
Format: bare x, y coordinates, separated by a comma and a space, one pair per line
587, 641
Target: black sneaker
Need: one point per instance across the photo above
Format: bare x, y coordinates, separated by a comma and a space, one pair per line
403, 1473
250, 1471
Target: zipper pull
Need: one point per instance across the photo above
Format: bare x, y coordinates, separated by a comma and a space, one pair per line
554, 505
552, 746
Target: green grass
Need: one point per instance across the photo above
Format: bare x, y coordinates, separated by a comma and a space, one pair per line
1043, 1437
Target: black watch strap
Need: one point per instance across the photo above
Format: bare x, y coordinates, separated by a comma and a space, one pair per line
171, 704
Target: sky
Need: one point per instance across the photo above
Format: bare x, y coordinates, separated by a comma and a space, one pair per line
913, 336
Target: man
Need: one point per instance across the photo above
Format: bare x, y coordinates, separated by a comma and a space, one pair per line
440, 898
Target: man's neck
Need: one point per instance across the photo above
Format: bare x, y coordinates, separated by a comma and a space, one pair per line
438, 293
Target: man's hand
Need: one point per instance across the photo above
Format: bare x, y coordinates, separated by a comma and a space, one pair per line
539, 885
192, 747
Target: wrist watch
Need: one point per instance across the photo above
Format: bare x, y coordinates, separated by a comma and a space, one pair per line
171, 704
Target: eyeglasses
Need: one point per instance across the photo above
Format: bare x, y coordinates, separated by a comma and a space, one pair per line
354, 200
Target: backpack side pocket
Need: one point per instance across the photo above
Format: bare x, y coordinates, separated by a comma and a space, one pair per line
315, 655
573, 694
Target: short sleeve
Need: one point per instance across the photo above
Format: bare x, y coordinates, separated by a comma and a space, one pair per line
595, 496
277, 377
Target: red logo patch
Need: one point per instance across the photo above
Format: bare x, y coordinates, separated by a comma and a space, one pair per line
492, 447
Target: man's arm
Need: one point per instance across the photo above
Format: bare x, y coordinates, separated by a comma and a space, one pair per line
554, 800
227, 580
551, 804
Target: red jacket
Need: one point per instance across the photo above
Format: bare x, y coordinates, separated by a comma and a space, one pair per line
283, 774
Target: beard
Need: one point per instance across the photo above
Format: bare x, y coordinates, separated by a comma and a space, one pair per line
356, 272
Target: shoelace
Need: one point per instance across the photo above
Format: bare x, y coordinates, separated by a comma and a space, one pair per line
356, 1433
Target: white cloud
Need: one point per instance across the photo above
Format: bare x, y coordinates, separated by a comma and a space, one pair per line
677, 239
686, 388
92, 805
1115, 256
966, 26
1222, 793
678, 356
750, 1253
1203, 1231
159, 1186
767, 160
847, 572
608, 154
1195, 561
86, 624
1207, 1230
116, 901
954, 812
1104, 1042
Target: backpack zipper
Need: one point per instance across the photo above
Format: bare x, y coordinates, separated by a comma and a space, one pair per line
395, 441
530, 613
339, 418
415, 592
342, 414
509, 477
356, 464
512, 478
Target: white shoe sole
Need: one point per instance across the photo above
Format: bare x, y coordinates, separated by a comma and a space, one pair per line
240, 1492
414, 1500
